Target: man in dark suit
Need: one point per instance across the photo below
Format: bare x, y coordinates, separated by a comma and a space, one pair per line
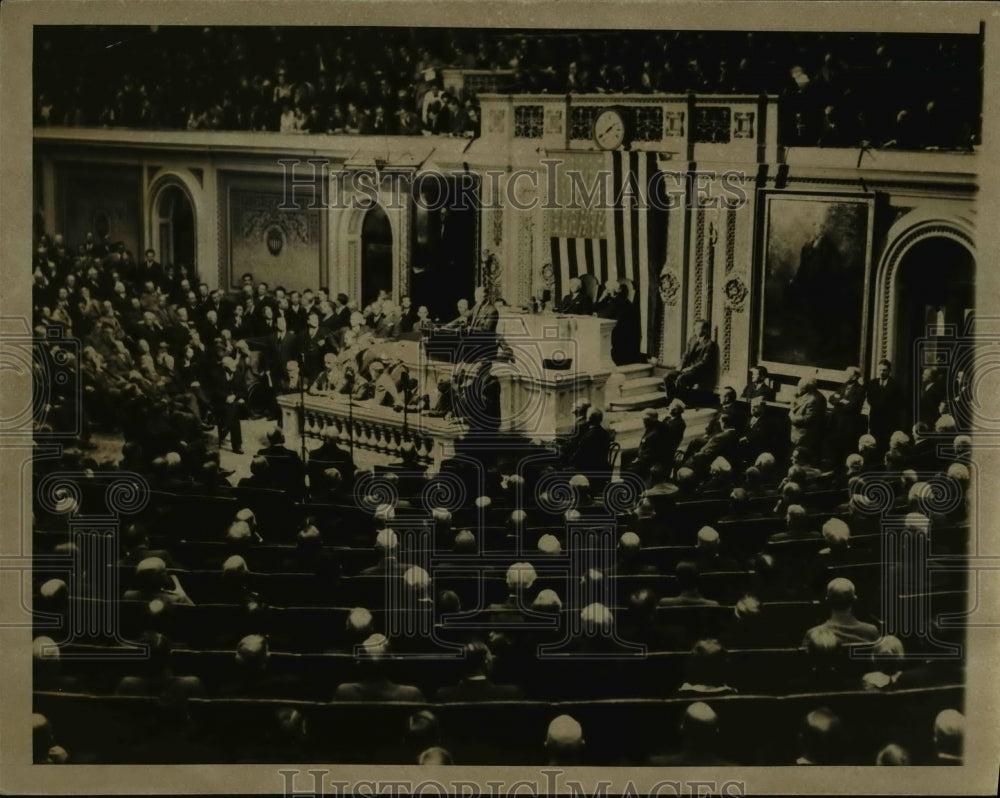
840, 596
933, 392
808, 416
485, 315
589, 452
228, 401
315, 342
481, 400
284, 465
700, 365
253, 679
885, 404
295, 313
674, 427
330, 455
729, 407
280, 347
342, 311
576, 301
652, 449
765, 432
724, 443
150, 269
758, 385
796, 527
407, 314
374, 683
477, 685
845, 424
387, 551
699, 741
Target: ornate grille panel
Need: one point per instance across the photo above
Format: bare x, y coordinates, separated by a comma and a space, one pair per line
528, 121
581, 121
648, 123
712, 125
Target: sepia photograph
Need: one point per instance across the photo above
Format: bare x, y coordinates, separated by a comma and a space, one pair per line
514, 399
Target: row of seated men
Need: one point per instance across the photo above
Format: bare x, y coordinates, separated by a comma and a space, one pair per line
918, 727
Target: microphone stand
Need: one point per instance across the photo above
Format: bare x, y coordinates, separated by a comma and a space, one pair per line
350, 418
302, 425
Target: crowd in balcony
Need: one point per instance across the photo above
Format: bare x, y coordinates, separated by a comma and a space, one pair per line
902, 91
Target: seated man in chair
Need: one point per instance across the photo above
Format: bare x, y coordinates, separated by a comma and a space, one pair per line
700, 366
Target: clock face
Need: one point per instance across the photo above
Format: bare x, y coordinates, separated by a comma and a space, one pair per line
609, 130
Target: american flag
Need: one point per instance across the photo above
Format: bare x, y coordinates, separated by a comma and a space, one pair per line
635, 243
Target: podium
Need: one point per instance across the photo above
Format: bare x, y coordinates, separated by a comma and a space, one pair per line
545, 364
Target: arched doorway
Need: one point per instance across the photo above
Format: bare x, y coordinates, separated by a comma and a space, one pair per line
935, 297
445, 251
175, 227
376, 255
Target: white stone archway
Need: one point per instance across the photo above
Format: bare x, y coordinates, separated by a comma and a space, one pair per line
189, 187
346, 253
907, 232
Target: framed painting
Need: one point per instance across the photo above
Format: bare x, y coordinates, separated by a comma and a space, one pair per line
814, 281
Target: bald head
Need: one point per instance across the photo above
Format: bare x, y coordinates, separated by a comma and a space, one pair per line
893, 754
465, 543
435, 755
708, 538
564, 740
520, 577
796, 517
44, 648
549, 545
596, 619
386, 543
252, 652
836, 533
840, 593
821, 737
417, 580
547, 601
375, 648
949, 732
234, 565
629, 544
53, 592
699, 726
360, 623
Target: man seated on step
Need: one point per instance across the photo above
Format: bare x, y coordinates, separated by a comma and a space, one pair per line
652, 446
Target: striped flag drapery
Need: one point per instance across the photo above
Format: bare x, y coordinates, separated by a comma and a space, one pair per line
635, 246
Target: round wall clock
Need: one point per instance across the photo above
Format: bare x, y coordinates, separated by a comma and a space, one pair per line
611, 130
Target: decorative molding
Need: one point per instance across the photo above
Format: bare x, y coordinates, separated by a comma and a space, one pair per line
670, 286
698, 278
727, 339
525, 255
730, 238
673, 124
736, 292
554, 124
876, 183
491, 274
743, 124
